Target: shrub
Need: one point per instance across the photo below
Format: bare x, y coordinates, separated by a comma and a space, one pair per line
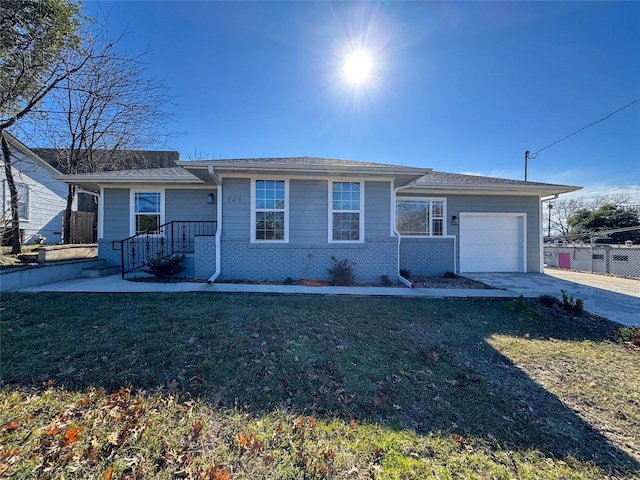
386, 281
165, 267
342, 273
574, 307
548, 301
630, 334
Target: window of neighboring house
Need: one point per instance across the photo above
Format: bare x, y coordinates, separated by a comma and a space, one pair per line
23, 201
346, 211
418, 217
270, 211
147, 208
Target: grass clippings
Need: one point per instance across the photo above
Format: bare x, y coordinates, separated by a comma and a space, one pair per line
243, 387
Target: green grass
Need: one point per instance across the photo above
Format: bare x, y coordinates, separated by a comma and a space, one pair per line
215, 386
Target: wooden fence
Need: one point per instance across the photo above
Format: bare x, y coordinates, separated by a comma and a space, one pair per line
82, 227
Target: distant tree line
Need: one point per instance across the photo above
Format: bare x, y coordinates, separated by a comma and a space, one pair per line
579, 217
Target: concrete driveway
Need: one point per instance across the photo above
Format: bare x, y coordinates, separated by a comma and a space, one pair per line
615, 298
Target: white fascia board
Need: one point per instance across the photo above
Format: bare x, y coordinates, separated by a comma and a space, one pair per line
491, 189
137, 179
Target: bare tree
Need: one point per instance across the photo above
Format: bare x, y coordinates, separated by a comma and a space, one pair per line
33, 36
565, 208
101, 112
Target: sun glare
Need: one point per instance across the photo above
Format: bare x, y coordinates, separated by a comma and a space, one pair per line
358, 67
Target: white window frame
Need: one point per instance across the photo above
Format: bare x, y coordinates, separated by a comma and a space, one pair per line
360, 211
132, 206
254, 210
27, 203
430, 219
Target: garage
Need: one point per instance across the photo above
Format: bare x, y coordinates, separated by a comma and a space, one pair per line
492, 242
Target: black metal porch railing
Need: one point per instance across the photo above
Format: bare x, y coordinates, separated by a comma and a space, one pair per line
164, 241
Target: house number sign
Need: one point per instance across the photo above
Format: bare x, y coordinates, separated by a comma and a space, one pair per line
234, 199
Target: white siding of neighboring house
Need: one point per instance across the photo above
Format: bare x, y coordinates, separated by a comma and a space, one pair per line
47, 198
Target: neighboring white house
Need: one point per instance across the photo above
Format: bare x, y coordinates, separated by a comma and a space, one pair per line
42, 198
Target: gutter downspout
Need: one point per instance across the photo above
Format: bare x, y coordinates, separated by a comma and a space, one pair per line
397, 234
218, 183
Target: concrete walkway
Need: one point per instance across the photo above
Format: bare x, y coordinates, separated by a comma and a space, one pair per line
115, 284
615, 298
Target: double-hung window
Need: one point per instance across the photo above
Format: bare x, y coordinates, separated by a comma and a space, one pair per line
23, 201
420, 217
270, 211
147, 211
346, 211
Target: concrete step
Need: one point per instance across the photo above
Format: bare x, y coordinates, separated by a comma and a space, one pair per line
101, 271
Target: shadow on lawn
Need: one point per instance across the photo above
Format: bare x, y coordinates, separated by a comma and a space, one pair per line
404, 363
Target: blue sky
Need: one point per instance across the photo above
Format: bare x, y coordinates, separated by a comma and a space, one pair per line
462, 87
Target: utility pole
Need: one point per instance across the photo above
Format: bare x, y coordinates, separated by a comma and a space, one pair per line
526, 160
549, 231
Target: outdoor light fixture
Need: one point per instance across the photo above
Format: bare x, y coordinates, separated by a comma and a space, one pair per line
211, 199
454, 220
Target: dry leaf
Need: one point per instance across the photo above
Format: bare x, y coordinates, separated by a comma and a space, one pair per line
459, 438
72, 435
196, 428
54, 430
108, 474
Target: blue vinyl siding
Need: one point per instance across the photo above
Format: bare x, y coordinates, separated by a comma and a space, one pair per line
377, 210
308, 215
189, 205
116, 219
236, 207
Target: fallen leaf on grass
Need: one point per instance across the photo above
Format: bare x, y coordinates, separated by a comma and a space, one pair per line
377, 454
8, 453
54, 430
72, 435
459, 438
172, 385
196, 428
248, 442
108, 474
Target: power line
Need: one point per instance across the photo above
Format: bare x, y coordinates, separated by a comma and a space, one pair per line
535, 154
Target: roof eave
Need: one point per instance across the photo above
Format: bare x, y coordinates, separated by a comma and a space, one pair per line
101, 180
493, 189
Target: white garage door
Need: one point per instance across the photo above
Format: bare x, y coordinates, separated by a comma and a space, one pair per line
492, 242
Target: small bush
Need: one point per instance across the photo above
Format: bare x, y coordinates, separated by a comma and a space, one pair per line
548, 301
386, 281
630, 334
574, 307
165, 267
521, 304
405, 273
342, 273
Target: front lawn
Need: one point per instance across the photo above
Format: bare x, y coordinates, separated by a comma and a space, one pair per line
117, 386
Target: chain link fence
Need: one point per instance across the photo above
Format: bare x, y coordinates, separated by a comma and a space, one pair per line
620, 260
